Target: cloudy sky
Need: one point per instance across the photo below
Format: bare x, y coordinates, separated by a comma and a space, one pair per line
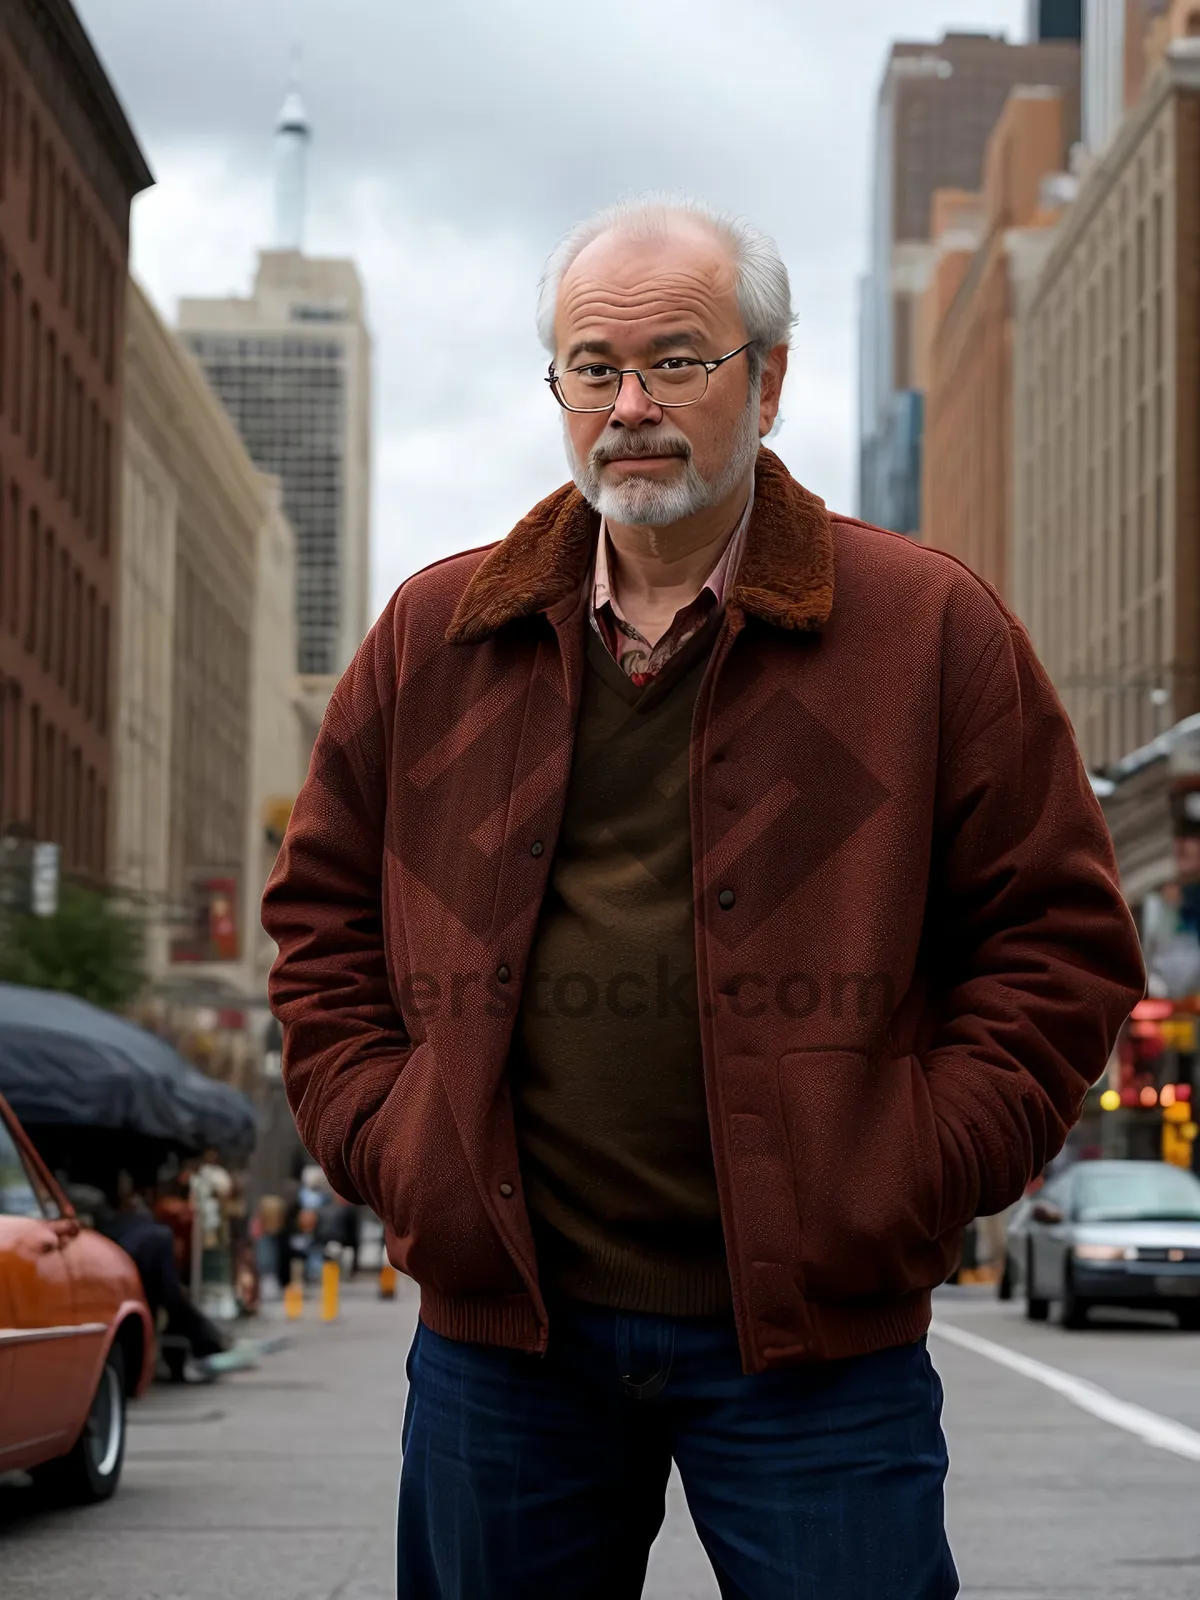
455, 141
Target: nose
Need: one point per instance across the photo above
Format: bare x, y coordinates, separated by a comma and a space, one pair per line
634, 407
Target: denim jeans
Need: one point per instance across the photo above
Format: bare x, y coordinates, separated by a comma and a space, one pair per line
543, 1478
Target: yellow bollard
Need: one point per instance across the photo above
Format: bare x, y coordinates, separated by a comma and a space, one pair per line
387, 1281
293, 1295
331, 1283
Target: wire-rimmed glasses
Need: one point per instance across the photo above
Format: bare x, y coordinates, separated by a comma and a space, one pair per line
673, 381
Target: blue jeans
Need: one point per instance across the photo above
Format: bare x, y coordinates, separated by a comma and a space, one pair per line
543, 1478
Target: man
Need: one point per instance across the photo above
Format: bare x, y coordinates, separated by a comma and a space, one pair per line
696, 913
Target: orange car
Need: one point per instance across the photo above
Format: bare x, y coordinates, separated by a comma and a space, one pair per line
76, 1338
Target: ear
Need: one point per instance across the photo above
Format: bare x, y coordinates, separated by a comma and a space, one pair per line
773, 374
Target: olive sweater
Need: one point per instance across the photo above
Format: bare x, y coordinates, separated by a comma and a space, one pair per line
607, 1068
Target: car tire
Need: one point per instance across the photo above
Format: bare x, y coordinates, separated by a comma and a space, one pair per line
1074, 1308
91, 1469
1036, 1309
1004, 1284
1189, 1318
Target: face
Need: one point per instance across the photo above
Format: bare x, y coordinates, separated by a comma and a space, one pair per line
632, 303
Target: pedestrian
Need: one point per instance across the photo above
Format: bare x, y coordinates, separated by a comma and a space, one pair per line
696, 914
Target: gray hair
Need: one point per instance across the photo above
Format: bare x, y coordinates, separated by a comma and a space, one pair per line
763, 290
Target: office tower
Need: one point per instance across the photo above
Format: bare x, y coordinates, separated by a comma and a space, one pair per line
69, 168
292, 365
208, 733
1115, 37
968, 313
1054, 19
937, 106
1106, 546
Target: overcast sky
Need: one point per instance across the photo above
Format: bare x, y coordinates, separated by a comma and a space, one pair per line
455, 141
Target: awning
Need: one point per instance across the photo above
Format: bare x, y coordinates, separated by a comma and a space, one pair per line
65, 1062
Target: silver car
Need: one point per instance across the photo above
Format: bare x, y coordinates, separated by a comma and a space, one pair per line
1108, 1233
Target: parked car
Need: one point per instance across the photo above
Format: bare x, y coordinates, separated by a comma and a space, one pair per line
1108, 1233
76, 1338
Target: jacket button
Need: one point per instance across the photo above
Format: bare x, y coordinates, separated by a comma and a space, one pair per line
502, 974
536, 848
726, 899
506, 1189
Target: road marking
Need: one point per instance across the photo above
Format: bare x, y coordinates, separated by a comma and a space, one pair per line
1148, 1426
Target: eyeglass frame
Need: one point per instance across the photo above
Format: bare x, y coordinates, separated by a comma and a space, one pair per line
621, 373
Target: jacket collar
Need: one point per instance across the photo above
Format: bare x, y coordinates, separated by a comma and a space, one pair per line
785, 576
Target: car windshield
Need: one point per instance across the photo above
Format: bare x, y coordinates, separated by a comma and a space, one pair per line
1148, 1193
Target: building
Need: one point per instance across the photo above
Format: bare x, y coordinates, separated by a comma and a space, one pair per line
1054, 19
1106, 542
987, 246
1116, 36
208, 732
69, 168
937, 106
292, 366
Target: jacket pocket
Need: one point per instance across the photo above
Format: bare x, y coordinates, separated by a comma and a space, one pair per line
868, 1162
414, 1171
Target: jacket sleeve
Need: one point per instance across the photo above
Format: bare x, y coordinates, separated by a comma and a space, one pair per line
1035, 954
344, 1040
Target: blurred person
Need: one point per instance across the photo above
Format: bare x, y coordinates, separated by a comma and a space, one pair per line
184, 1330
697, 913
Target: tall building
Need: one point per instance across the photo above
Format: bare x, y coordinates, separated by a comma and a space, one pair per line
208, 731
69, 168
937, 105
1106, 543
1115, 34
1054, 19
292, 366
966, 495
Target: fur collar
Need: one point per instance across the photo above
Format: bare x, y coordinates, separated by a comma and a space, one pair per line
785, 576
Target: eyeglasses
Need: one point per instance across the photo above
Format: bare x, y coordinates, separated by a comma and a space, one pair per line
674, 381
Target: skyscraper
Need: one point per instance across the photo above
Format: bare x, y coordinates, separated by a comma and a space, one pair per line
1055, 19
292, 366
938, 104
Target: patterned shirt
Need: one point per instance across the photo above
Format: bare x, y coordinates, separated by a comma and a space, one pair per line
634, 653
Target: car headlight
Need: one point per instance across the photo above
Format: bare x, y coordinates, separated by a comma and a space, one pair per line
1103, 1252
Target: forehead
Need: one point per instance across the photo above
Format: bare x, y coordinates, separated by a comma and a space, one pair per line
620, 287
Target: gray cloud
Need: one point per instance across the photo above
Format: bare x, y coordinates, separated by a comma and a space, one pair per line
455, 142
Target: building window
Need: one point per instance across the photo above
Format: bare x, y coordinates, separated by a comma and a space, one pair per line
33, 603
76, 631
63, 604
18, 351
49, 582
89, 654
35, 375
35, 175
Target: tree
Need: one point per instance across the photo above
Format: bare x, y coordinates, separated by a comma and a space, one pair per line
89, 947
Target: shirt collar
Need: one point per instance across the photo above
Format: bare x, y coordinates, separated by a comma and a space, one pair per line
717, 581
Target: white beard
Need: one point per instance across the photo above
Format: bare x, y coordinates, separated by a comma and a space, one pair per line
648, 503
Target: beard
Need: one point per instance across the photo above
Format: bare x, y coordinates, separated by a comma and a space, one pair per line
646, 502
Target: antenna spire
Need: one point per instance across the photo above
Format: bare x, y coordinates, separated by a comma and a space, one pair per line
293, 135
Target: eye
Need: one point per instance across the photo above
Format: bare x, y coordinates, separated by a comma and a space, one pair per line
596, 373
677, 364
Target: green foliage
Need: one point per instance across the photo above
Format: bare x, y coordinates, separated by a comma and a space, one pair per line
89, 948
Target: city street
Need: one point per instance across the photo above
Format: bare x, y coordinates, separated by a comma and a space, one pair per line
278, 1484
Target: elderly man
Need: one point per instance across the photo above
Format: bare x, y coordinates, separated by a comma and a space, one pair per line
696, 913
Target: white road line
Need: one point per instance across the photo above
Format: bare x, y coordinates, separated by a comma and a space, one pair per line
1154, 1430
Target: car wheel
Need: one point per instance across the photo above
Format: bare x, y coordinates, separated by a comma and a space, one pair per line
1036, 1309
1189, 1318
91, 1469
1074, 1308
1004, 1284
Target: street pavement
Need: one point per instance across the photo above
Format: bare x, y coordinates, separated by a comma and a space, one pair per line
279, 1483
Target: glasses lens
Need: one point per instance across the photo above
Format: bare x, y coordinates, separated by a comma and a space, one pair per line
588, 388
677, 383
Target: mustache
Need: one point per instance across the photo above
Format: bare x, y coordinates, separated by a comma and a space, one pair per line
630, 446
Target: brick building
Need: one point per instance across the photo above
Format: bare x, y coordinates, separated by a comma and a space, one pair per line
69, 168
1106, 544
988, 244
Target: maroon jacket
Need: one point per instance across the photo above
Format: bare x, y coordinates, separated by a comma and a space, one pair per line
912, 954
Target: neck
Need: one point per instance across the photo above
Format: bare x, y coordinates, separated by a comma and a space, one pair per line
657, 571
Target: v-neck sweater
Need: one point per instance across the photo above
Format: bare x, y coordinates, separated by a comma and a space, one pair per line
607, 1065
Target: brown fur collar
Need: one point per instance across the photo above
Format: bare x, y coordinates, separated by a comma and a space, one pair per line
785, 575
